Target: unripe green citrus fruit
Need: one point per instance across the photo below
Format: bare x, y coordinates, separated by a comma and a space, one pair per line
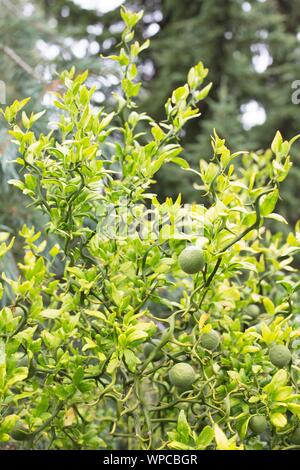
191, 260
182, 375
295, 438
253, 310
19, 433
280, 355
258, 424
149, 347
210, 340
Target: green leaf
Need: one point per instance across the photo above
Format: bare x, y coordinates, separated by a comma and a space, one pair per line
50, 313
294, 408
277, 142
78, 375
269, 306
2, 364
202, 94
183, 427
205, 438
131, 360
268, 202
176, 445
8, 423
279, 380
180, 94
181, 162
114, 362
278, 420
221, 439
19, 374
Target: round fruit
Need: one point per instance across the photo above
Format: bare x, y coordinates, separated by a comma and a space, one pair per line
182, 375
19, 433
210, 340
149, 347
258, 424
295, 438
280, 355
253, 311
191, 260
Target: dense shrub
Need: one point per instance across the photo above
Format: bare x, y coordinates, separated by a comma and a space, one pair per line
124, 349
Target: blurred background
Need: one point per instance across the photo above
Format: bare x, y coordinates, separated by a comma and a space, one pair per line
252, 49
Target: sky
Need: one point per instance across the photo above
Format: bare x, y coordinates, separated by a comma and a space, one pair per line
103, 6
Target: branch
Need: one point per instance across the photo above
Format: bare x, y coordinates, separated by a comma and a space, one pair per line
20, 62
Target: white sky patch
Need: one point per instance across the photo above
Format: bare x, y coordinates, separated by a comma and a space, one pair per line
99, 97
65, 11
49, 51
156, 16
103, 6
148, 68
48, 99
152, 29
116, 28
96, 29
28, 9
253, 114
94, 48
261, 59
80, 48
246, 6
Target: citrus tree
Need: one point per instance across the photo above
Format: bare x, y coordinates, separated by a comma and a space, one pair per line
151, 337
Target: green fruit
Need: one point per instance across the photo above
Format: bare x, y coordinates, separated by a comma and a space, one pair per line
280, 355
191, 260
258, 424
295, 438
253, 311
19, 433
210, 340
149, 347
182, 375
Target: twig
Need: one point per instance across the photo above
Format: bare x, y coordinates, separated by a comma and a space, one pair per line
20, 62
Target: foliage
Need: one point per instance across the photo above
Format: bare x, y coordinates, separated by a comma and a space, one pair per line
72, 372
32, 50
251, 49
23, 70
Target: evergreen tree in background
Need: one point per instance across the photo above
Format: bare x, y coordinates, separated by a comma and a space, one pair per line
250, 47
33, 49
252, 51
21, 71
